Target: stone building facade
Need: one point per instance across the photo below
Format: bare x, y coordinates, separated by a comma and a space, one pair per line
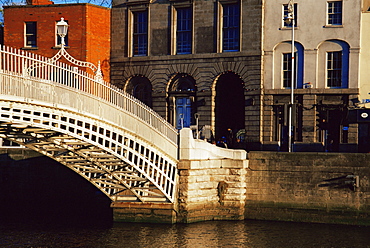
192, 61
227, 65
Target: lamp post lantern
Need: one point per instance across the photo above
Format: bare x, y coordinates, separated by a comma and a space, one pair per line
289, 19
62, 29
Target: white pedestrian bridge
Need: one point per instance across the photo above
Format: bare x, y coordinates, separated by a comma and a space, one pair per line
105, 135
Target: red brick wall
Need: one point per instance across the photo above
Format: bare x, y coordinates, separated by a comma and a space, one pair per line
88, 33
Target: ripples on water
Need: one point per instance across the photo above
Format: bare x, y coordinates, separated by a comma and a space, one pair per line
247, 233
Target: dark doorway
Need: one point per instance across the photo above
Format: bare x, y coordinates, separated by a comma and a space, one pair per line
331, 120
229, 109
335, 118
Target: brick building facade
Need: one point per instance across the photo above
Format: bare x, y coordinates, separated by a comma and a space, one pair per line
32, 27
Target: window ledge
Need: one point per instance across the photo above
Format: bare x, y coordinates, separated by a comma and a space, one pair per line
333, 26
29, 48
59, 47
289, 28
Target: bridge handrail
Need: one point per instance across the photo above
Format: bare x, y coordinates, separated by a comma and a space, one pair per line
27, 65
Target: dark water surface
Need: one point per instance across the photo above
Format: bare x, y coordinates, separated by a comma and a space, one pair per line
44, 204
247, 233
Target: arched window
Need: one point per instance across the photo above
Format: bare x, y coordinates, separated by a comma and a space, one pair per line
141, 88
333, 64
283, 65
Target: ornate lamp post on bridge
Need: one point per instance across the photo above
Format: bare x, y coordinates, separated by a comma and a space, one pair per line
62, 30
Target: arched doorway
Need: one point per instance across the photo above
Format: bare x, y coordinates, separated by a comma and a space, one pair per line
229, 105
181, 101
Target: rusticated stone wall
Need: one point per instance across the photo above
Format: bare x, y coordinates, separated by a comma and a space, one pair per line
291, 187
212, 181
211, 190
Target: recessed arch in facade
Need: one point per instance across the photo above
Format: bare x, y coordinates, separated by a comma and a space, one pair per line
229, 104
141, 88
333, 64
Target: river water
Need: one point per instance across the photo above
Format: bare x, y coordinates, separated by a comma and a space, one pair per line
248, 233
44, 204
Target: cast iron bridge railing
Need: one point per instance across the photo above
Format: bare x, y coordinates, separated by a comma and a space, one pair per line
108, 137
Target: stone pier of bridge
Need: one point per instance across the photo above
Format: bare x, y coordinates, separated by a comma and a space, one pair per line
211, 186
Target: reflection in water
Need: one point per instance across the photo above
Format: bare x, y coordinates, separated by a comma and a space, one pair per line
247, 233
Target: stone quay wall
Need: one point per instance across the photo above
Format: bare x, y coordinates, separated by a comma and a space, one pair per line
291, 187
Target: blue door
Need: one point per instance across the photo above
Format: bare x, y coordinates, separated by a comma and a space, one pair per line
183, 112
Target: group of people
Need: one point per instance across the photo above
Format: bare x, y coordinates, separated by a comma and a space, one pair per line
230, 141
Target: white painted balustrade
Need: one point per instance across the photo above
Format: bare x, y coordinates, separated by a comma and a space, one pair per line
42, 78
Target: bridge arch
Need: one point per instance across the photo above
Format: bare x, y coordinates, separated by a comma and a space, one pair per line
108, 137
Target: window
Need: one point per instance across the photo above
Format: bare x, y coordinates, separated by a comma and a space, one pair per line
287, 69
141, 88
335, 13
285, 14
31, 34
334, 69
140, 33
231, 27
184, 31
59, 40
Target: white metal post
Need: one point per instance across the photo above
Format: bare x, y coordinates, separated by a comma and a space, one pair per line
290, 125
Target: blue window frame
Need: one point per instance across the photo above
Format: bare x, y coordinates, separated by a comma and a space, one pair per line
335, 13
184, 31
140, 33
231, 28
334, 69
298, 67
287, 69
